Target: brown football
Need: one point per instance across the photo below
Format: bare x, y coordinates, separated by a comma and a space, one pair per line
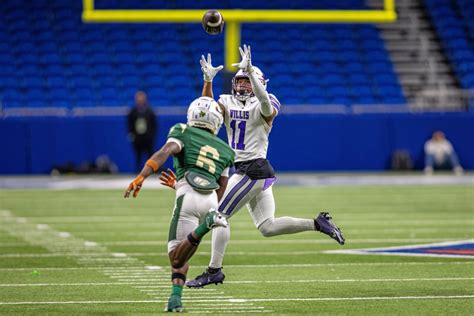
213, 22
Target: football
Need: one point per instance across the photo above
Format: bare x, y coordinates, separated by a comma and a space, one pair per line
213, 22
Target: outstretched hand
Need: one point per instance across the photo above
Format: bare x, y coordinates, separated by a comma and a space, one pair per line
168, 178
134, 187
209, 71
246, 62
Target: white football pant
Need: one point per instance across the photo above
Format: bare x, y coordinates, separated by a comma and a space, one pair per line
258, 196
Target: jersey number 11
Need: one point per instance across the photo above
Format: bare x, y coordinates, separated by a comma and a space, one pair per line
240, 129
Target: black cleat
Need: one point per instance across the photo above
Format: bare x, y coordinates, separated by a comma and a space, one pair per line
324, 224
207, 278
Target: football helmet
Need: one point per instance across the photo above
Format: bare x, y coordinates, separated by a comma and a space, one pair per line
244, 91
204, 112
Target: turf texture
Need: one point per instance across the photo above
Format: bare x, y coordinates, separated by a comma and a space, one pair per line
91, 251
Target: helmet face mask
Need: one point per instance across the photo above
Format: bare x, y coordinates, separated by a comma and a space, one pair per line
242, 89
204, 112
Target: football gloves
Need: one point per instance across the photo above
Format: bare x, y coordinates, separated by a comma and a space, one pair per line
168, 178
209, 71
246, 62
134, 186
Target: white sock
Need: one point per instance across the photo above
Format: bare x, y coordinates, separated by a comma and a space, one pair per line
220, 238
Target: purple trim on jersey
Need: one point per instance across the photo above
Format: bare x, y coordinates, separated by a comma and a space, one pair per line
276, 104
234, 190
240, 197
268, 183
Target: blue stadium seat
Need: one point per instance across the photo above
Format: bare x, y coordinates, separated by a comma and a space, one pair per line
453, 23
79, 64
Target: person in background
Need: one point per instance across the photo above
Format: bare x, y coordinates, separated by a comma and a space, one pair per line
440, 154
142, 126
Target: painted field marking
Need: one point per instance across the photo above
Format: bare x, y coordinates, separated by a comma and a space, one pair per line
64, 244
70, 284
256, 242
231, 253
145, 288
385, 251
349, 280
368, 298
346, 264
285, 241
269, 266
154, 222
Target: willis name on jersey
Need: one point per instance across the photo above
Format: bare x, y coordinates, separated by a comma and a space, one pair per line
247, 130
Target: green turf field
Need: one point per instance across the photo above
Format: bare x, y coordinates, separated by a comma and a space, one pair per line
85, 251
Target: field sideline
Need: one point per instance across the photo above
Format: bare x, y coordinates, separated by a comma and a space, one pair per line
91, 251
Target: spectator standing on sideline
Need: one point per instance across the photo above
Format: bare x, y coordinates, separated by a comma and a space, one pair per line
142, 127
440, 154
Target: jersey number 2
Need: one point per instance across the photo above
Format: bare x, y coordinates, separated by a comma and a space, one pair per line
241, 130
203, 160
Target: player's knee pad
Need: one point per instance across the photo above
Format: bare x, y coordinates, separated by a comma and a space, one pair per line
267, 228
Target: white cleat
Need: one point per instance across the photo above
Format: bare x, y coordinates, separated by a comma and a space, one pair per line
215, 219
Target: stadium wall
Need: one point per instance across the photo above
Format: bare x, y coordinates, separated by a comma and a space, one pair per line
298, 142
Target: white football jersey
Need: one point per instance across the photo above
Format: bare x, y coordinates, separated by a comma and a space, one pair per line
247, 131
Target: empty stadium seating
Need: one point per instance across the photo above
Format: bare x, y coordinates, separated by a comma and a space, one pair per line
48, 57
453, 23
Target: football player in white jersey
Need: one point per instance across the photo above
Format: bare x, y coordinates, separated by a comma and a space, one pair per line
249, 113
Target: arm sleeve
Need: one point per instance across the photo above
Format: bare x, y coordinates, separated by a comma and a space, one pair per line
261, 94
177, 141
177, 134
225, 172
275, 103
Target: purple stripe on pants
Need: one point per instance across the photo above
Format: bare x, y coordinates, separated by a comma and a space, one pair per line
232, 192
241, 196
268, 183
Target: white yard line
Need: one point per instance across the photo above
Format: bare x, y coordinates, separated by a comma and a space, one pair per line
367, 298
71, 284
157, 222
154, 254
259, 242
91, 254
349, 280
144, 288
113, 258
266, 266
286, 241
346, 264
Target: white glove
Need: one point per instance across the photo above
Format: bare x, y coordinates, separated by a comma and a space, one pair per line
246, 62
208, 71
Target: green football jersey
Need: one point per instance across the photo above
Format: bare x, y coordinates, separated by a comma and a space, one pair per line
202, 152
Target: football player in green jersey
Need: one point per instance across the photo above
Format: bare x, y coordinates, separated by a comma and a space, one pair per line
202, 162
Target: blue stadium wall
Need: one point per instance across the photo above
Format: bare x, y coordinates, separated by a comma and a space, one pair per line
298, 142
